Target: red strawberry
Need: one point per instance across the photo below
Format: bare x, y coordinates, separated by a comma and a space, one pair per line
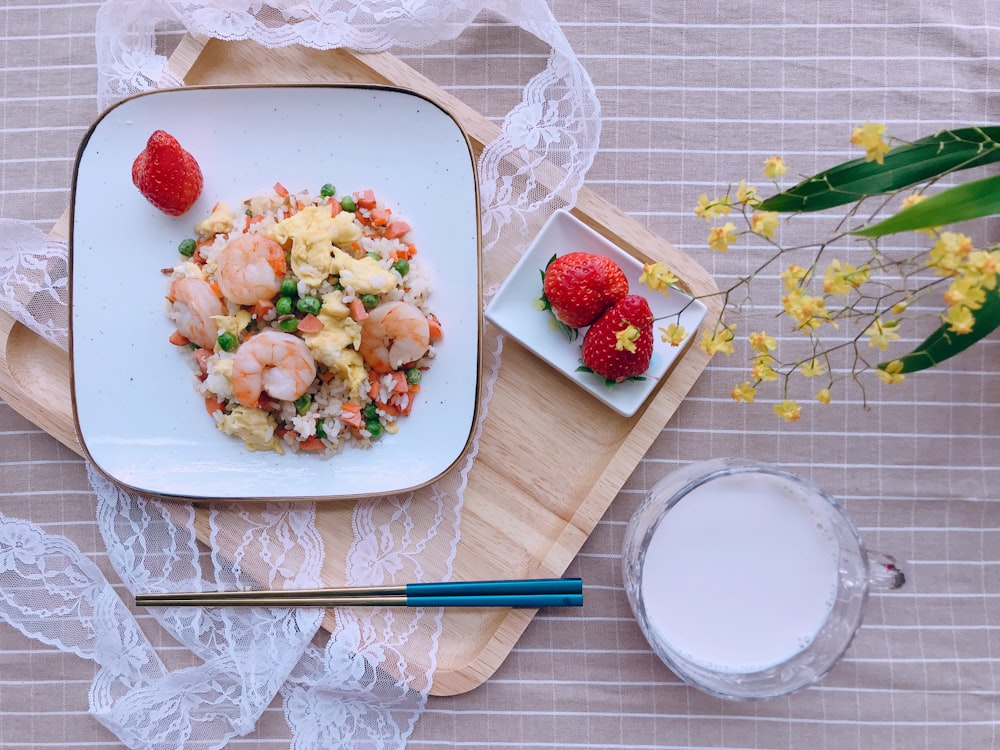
629, 323
167, 175
579, 287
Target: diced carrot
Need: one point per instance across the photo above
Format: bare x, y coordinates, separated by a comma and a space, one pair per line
178, 339
335, 207
399, 384
280, 190
365, 198
326, 376
213, 404
312, 443
363, 218
411, 248
398, 398
374, 386
357, 309
261, 308
397, 229
434, 326
356, 250
351, 414
391, 409
380, 216
310, 324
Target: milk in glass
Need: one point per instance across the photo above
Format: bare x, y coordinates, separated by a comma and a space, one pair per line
740, 575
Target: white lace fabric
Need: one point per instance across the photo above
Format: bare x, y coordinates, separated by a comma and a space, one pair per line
360, 687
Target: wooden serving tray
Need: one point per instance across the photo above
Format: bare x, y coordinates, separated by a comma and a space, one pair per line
529, 504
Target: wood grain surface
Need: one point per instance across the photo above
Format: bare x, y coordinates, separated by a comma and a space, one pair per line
529, 505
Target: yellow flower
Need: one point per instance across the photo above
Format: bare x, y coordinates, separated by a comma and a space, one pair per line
841, 278
746, 195
774, 167
948, 252
709, 210
764, 223
823, 396
882, 333
965, 291
807, 310
657, 277
869, 137
760, 341
745, 392
762, 369
719, 238
673, 334
719, 340
814, 368
959, 319
788, 410
794, 277
985, 263
891, 374
625, 339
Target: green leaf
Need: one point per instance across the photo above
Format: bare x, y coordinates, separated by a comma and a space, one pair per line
943, 343
903, 166
971, 200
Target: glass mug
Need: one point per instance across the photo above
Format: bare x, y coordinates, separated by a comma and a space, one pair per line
748, 581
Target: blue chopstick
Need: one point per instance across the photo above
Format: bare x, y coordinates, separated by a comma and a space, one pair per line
528, 593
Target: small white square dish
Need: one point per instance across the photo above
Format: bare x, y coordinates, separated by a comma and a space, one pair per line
514, 311
138, 415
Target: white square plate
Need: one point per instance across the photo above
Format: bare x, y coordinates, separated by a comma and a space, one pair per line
138, 415
512, 309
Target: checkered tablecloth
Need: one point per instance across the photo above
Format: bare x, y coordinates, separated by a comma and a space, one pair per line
694, 97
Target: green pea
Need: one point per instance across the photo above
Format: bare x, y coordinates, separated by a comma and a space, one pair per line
320, 432
413, 375
348, 204
337, 286
327, 190
302, 404
289, 287
370, 301
187, 247
402, 266
228, 342
369, 411
283, 306
374, 428
289, 325
247, 211
309, 305
373, 256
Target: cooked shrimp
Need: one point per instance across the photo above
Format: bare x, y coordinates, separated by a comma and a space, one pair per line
394, 334
251, 268
275, 363
193, 305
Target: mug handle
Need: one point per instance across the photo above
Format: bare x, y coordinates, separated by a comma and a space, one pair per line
883, 573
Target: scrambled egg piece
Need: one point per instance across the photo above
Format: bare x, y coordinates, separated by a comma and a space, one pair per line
254, 426
336, 347
315, 235
189, 270
219, 378
220, 220
334, 305
234, 324
365, 274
